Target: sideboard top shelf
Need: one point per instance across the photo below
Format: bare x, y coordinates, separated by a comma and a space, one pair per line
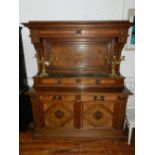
88, 24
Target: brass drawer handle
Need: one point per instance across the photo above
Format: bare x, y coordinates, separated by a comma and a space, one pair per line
99, 98
95, 98
57, 97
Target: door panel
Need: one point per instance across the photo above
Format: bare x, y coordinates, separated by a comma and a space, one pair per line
98, 114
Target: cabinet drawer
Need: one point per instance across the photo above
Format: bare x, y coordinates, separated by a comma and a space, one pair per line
68, 81
98, 97
109, 81
55, 81
45, 81
57, 97
49, 81
88, 82
112, 82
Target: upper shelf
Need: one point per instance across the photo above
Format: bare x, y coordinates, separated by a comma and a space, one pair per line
88, 24
84, 46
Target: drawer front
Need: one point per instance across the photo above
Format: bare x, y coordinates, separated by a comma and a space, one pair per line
98, 98
56, 82
57, 97
88, 82
49, 81
44, 81
111, 82
77, 82
68, 81
99, 114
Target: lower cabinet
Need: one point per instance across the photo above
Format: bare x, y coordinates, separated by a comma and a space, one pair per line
79, 111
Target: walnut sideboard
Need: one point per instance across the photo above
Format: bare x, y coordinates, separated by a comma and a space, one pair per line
78, 90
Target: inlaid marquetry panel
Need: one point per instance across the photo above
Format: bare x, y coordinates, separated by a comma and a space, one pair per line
98, 114
58, 114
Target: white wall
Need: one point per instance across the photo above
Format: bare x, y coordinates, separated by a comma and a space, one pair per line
73, 10
70, 10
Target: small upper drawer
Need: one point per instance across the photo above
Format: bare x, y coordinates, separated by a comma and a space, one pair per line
112, 82
109, 81
56, 81
68, 81
88, 81
49, 81
44, 81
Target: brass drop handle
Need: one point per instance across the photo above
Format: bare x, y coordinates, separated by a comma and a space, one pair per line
95, 97
57, 97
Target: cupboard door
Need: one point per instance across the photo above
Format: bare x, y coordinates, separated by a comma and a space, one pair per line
98, 114
57, 112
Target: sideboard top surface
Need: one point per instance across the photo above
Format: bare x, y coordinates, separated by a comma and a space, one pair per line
88, 24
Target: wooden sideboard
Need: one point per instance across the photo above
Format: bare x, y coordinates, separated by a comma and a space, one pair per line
78, 87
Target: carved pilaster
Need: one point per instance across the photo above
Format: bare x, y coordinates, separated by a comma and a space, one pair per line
120, 112
78, 108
